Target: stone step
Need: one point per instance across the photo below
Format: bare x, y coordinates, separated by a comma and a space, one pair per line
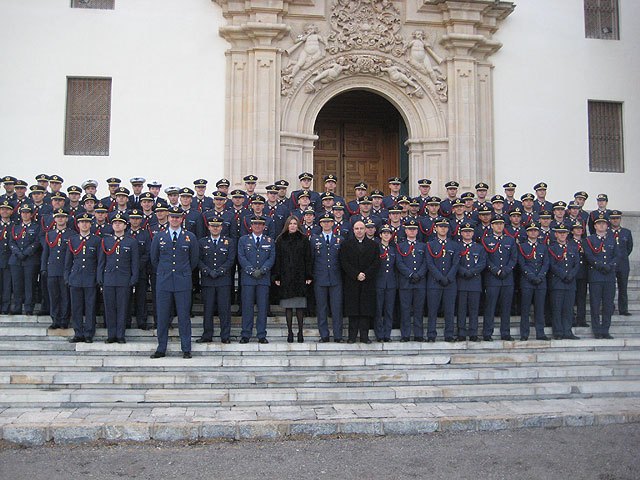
391, 377
313, 395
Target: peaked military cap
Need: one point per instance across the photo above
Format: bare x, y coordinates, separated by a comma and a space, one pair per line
74, 189
326, 217
434, 201
250, 179
20, 184
577, 225
84, 217
386, 228
602, 197
119, 217
394, 180
8, 180
615, 214
561, 227
573, 205
56, 179
338, 206
200, 182
112, 181
366, 199
137, 181
257, 199
147, 196
161, 206
330, 178
326, 196
257, 220
60, 212
59, 196
309, 211
457, 203
466, 227
6, 204
509, 186
303, 193
467, 196
88, 196
175, 211
424, 182
601, 218
451, 184
533, 226
376, 193
403, 199
154, 183
26, 207
482, 209
411, 223
442, 222
172, 190
37, 189
545, 214
581, 194
100, 208
218, 194
282, 184
540, 186
497, 198
559, 205
497, 219
135, 213
43, 177
370, 224
305, 176
395, 209
414, 202
237, 193
271, 189
223, 182
527, 196
89, 183
122, 191
482, 186
361, 186
214, 220
186, 192
516, 211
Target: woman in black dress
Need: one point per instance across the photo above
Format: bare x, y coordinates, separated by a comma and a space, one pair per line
292, 273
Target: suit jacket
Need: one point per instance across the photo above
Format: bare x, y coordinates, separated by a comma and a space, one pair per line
173, 264
254, 259
216, 262
81, 262
118, 262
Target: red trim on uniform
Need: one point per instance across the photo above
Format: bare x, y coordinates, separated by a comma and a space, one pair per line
531, 255
440, 254
559, 257
112, 249
595, 250
489, 250
83, 242
56, 242
409, 252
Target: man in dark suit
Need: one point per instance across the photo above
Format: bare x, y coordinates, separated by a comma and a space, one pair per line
624, 243
174, 254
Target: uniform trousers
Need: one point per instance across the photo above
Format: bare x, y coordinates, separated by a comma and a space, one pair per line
326, 296
165, 301
385, 303
359, 323
445, 297
411, 310
498, 295
601, 296
562, 311
43, 285
59, 301
537, 297
116, 310
5, 290
22, 279
581, 300
254, 295
623, 297
83, 311
216, 298
139, 304
468, 304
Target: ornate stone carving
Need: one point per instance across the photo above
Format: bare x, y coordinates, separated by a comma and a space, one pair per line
364, 64
365, 24
309, 44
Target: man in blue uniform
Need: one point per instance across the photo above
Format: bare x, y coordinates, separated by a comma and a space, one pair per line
541, 203
142, 235
602, 200
386, 285
54, 251
6, 210
217, 257
452, 194
202, 202
118, 269
578, 241
80, 273
256, 255
473, 260
327, 278
534, 265
412, 272
24, 261
174, 254
394, 192
624, 245
443, 257
137, 184
601, 252
498, 280
305, 179
564, 266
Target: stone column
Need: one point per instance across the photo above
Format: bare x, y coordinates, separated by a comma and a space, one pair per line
428, 158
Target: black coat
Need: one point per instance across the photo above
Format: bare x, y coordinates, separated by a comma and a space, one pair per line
293, 264
359, 297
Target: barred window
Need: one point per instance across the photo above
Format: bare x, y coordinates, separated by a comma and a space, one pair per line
101, 4
605, 137
88, 116
601, 19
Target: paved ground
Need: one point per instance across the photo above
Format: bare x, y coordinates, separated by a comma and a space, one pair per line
599, 453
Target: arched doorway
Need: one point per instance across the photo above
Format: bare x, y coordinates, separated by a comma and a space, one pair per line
361, 136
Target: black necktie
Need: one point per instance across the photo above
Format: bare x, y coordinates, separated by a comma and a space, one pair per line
327, 238
215, 242
175, 238
257, 242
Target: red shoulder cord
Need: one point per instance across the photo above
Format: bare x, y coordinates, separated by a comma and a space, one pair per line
595, 250
529, 256
353, 212
112, 249
56, 242
430, 231
20, 235
489, 250
559, 257
465, 251
409, 252
76, 251
436, 255
384, 254
4, 232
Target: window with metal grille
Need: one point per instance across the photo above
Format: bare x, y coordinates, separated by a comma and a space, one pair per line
601, 19
605, 137
101, 4
88, 116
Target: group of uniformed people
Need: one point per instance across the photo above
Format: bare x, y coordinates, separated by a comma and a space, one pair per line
463, 254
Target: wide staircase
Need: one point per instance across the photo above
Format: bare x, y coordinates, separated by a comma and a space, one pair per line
52, 390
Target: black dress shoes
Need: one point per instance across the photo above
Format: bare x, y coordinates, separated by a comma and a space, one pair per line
386, 340
204, 340
88, 340
418, 339
571, 337
225, 340
351, 340
244, 340
300, 337
524, 339
449, 339
606, 336
487, 338
110, 340
322, 340
626, 314
263, 340
474, 338
557, 337
76, 340
53, 326
507, 338
366, 341
158, 355
121, 340
543, 337
186, 355
404, 339
431, 340
597, 336
461, 338
336, 340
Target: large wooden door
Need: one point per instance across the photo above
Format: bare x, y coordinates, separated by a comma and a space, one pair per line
358, 140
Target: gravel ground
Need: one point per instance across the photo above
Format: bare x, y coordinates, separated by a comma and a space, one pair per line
601, 453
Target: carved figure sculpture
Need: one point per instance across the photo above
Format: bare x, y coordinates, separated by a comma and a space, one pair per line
311, 51
399, 77
329, 74
419, 52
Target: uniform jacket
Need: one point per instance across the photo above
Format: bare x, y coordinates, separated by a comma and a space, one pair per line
564, 264
81, 262
601, 255
54, 251
387, 273
173, 264
411, 264
144, 245
442, 263
579, 246
624, 246
5, 248
25, 244
216, 261
256, 262
473, 260
502, 256
534, 265
118, 262
326, 260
